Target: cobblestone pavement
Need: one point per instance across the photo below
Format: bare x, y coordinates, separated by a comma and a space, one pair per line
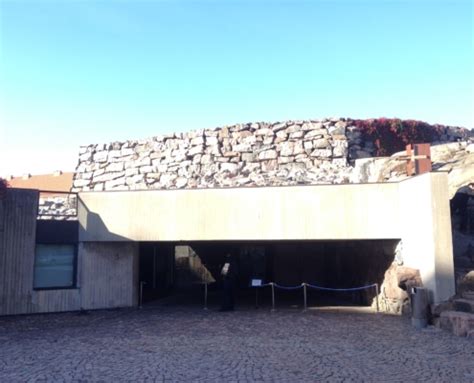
188, 344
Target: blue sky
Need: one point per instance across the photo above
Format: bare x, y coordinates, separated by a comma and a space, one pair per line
80, 72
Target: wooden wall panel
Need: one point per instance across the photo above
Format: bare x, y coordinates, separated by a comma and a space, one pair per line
18, 213
17, 246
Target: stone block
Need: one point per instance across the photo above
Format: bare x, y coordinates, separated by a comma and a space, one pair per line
292, 129
464, 305
459, 323
438, 308
307, 126
242, 148
286, 148
248, 157
277, 127
98, 187
296, 135
285, 160
134, 179
270, 165
268, 140
313, 134
267, 155
339, 151
298, 148
100, 156
320, 143
251, 167
197, 141
321, 153
115, 167
196, 150
264, 132
112, 185
81, 183
210, 141
229, 167
181, 182
109, 176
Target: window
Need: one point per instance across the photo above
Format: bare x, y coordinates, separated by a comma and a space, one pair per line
55, 266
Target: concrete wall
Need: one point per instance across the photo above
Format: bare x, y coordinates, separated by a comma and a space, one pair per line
330, 212
415, 211
109, 275
426, 232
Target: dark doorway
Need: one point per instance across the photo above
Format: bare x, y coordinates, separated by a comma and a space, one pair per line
181, 270
156, 267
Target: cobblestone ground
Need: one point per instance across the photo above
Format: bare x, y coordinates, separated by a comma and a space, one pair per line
188, 344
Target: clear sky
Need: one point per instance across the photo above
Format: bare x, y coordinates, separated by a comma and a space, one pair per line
80, 72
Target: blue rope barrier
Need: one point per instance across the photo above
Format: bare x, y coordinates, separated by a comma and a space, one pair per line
316, 287
288, 287
348, 289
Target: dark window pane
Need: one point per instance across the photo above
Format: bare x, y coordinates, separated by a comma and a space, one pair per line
54, 266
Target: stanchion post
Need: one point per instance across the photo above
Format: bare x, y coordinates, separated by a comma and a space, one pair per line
377, 296
256, 297
273, 296
141, 294
205, 296
305, 297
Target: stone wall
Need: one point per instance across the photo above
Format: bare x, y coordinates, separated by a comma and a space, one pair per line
254, 154
58, 207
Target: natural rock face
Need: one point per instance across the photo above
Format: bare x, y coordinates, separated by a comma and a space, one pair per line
467, 283
398, 281
456, 158
256, 154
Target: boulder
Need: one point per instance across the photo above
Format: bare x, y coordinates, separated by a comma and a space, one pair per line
466, 283
459, 323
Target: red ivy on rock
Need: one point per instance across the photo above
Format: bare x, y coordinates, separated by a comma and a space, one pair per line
391, 135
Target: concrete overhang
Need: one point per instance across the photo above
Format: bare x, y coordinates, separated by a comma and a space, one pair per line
320, 212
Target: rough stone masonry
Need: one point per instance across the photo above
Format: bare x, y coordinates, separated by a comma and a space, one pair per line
253, 154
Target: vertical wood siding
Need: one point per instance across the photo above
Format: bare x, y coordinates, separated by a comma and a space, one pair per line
17, 246
107, 273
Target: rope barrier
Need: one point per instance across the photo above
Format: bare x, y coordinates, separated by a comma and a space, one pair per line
288, 287
348, 289
316, 287
304, 285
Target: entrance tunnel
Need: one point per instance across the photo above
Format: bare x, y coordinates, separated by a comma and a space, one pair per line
179, 271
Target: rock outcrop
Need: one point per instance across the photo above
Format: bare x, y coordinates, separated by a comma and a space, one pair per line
394, 291
456, 158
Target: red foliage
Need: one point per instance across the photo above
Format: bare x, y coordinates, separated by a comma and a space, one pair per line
391, 135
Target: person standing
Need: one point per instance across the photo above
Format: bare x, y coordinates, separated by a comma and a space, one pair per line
229, 279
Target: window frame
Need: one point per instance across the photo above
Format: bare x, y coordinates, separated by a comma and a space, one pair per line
74, 268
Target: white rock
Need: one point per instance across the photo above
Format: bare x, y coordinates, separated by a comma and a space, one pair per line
100, 156
181, 182
267, 155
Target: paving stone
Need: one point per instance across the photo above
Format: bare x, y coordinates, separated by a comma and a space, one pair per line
188, 344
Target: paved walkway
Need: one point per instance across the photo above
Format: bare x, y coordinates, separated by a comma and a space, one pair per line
169, 344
